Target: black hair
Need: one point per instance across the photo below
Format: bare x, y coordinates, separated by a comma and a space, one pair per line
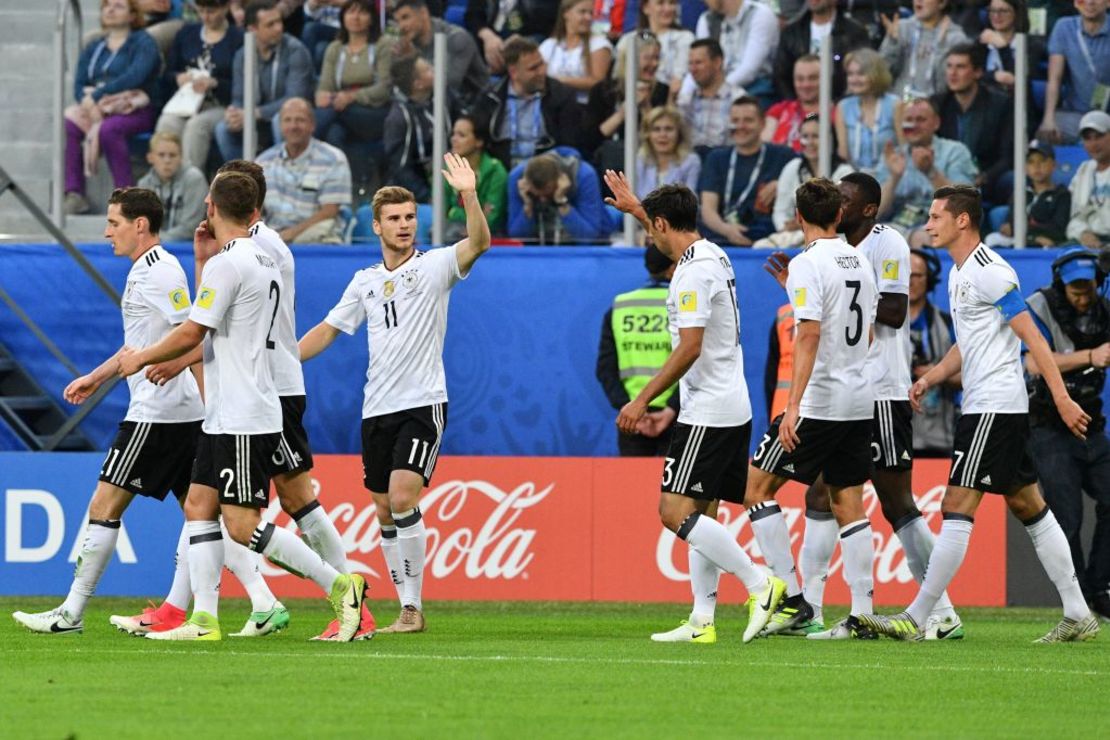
711, 46
676, 204
139, 202
867, 185
253, 8
962, 199
375, 23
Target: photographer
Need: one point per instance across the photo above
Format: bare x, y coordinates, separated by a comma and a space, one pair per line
556, 198
932, 336
1074, 317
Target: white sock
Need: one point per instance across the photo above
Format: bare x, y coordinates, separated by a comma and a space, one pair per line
412, 542
1055, 556
318, 528
100, 543
858, 549
206, 561
713, 541
288, 551
917, 542
391, 551
773, 537
245, 564
704, 577
817, 551
181, 590
948, 553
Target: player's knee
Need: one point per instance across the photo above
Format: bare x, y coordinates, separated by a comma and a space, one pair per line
108, 503
1026, 503
759, 490
817, 498
671, 514
240, 530
899, 509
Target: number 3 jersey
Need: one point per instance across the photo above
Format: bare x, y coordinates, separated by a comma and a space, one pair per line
832, 282
405, 310
238, 299
703, 294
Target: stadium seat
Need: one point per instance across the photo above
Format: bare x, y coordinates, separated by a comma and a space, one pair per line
1039, 87
998, 216
362, 231
1068, 159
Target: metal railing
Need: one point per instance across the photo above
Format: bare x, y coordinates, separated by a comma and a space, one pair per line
61, 68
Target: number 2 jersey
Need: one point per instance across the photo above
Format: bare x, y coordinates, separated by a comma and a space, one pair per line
405, 310
888, 360
833, 282
238, 299
703, 294
288, 375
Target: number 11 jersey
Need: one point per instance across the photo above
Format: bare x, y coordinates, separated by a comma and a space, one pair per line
405, 310
832, 282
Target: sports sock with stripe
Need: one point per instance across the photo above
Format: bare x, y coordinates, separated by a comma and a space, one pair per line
318, 528
704, 579
858, 550
206, 560
412, 542
817, 551
713, 540
96, 551
181, 590
287, 550
391, 551
917, 542
773, 537
946, 558
245, 564
1055, 555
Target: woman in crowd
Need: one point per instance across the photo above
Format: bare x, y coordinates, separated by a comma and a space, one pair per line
114, 82
666, 157
574, 56
869, 115
784, 119
1008, 18
467, 141
201, 56
915, 48
660, 17
352, 98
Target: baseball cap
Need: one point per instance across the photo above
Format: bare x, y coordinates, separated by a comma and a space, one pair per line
1082, 268
655, 261
1041, 147
1099, 120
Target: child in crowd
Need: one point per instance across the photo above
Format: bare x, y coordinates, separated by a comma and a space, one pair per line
1047, 203
181, 188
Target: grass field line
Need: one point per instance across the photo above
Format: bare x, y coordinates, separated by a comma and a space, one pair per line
611, 661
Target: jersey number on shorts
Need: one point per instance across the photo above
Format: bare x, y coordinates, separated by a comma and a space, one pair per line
668, 470
275, 293
851, 336
762, 449
390, 314
423, 453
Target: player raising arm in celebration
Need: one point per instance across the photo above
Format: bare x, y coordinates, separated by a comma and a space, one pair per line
708, 456
234, 315
403, 301
990, 454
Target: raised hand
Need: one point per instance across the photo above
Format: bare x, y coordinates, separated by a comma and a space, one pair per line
459, 174
778, 267
205, 245
624, 200
890, 25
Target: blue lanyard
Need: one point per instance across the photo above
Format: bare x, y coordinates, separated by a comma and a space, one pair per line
751, 180
96, 57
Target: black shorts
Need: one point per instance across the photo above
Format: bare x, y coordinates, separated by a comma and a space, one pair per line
991, 453
151, 459
707, 463
238, 466
839, 451
403, 440
892, 436
293, 454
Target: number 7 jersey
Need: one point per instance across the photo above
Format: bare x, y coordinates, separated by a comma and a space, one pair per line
405, 310
833, 282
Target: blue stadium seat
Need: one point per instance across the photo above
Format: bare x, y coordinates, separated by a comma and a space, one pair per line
1039, 87
1068, 159
455, 11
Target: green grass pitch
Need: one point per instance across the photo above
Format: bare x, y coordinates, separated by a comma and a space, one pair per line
546, 670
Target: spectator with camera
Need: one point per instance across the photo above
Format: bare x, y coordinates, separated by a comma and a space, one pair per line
931, 336
556, 197
1074, 317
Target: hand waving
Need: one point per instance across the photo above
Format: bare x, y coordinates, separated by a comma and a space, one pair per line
459, 174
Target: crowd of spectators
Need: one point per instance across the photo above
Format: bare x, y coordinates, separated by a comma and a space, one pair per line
535, 101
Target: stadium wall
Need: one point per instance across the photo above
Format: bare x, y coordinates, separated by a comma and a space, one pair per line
499, 528
520, 352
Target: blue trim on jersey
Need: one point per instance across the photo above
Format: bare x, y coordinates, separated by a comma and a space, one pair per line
1011, 304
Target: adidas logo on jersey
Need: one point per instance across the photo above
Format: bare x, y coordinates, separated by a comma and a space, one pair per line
906, 456
986, 480
789, 467
696, 488
137, 483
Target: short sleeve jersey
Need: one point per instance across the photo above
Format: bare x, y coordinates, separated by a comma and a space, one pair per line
405, 311
832, 282
238, 299
286, 359
703, 294
888, 360
993, 380
155, 299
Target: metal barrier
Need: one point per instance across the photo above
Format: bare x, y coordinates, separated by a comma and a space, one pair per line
61, 67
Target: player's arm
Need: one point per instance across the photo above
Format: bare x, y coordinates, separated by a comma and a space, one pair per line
164, 372
892, 309
464, 180
681, 358
1074, 417
318, 339
79, 390
807, 339
624, 200
175, 344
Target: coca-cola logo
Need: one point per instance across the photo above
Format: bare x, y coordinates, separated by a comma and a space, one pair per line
890, 559
499, 548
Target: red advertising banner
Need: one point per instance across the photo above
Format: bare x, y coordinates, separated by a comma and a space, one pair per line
580, 529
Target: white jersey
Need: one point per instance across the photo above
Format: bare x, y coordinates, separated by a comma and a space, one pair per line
703, 294
888, 360
405, 310
238, 299
982, 294
155, 299
832, 282
286, 360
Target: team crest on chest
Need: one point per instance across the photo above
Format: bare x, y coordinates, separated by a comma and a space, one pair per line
409, 280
